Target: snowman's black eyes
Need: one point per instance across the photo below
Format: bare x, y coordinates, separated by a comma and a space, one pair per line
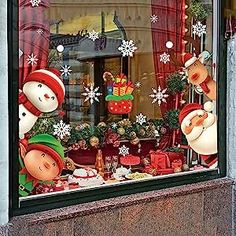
40, 85
53, 98
23, 114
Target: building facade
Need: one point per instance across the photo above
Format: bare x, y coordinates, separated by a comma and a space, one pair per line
201, 204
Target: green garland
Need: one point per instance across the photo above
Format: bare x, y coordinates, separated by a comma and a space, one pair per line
176, 83
125, 128
200, 11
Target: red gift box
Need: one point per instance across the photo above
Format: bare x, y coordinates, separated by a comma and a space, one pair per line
165, 171
176, 156
176, 163
159, 159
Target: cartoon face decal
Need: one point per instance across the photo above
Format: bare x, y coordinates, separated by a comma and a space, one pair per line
26, 120
41, 96
41, 165
201, 132
197, 73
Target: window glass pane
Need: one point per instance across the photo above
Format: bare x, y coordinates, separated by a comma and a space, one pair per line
114, 92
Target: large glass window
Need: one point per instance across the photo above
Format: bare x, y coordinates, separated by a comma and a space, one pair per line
115, 92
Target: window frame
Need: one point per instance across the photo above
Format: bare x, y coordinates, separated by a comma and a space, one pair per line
76, 197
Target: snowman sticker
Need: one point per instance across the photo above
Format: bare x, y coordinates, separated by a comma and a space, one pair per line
43, 91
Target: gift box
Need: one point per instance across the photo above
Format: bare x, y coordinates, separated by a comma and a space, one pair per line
119, 89
177, 163
129, 88
159, 159
165, 171
176, 156
121, 79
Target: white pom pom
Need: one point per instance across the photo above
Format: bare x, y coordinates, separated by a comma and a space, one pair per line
208, 106
60, 48
169, 44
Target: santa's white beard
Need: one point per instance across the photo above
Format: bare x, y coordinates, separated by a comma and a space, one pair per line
206, 143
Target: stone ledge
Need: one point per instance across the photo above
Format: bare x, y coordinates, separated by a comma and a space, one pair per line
112, 203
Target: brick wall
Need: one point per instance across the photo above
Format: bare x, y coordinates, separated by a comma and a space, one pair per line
3, 115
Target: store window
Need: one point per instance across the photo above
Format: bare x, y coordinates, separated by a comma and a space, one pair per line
116, 93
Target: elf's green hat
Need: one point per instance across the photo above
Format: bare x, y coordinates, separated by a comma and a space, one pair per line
49, 145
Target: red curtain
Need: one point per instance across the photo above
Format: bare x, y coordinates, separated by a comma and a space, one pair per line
34, 33
170, 26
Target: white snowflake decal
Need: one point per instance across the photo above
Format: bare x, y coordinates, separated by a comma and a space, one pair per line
138, 84
141, 119
127, 48
32, 59
154, 18
93, 35
20, 53
39, 31
91, 94
45, 121
199, 29
61, 130
123, 150
159, 95
114, 125
65, 70
35, 3
165, 57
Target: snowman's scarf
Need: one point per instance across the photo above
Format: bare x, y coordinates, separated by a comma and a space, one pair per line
28, 105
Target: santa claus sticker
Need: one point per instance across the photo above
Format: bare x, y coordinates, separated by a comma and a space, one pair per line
199, 126
43, 91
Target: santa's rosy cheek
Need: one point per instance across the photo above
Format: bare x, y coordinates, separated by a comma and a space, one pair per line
188, 129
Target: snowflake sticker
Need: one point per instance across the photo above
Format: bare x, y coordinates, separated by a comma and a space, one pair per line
45, 121
114, 125
159, 95
165, 57
66, 70
39, 31
127, 48
32, 59
93, 35
153, 18
199, 29
61, 130
35, 3
20, 53
123, 150
91, 94
138, 84
141, 119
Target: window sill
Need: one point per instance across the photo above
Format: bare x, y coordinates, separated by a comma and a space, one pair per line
117, 202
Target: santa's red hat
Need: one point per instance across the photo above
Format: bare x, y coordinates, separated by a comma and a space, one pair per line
189, 59
191, 110
50, 77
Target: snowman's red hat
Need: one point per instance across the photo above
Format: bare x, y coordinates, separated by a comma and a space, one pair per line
50, 77
189, 59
